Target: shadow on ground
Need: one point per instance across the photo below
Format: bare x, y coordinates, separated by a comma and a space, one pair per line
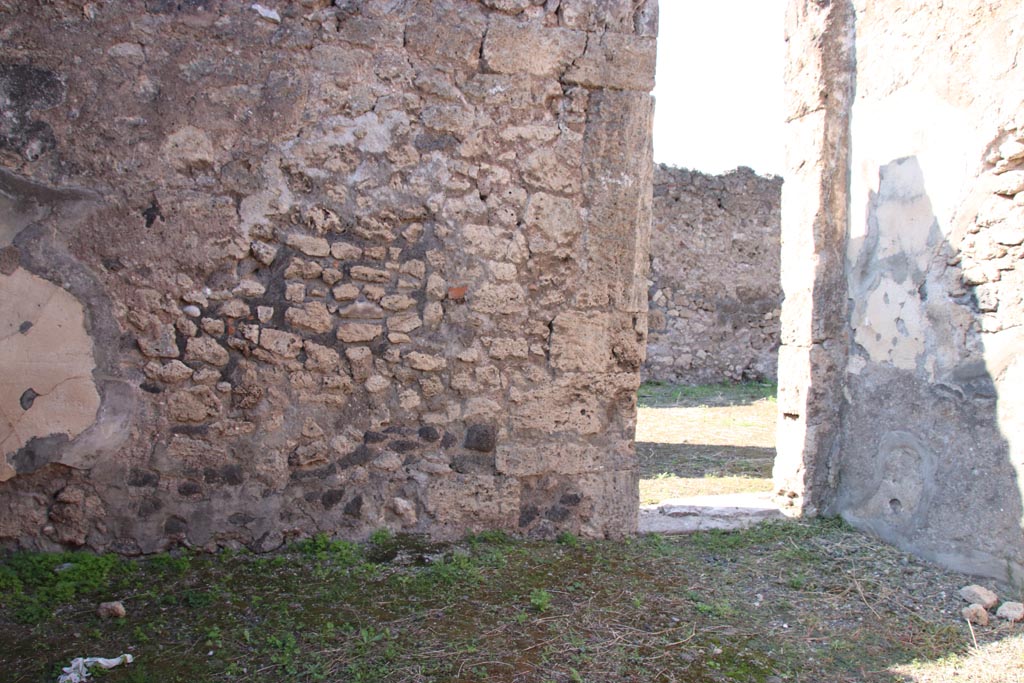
705, 440
702, 460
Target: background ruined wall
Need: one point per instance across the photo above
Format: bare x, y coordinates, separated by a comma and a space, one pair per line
901, 368
332, 268
714, 296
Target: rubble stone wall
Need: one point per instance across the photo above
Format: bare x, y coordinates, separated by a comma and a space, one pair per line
311, 266
714, 296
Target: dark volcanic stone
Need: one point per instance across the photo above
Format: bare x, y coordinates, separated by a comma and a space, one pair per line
481, 438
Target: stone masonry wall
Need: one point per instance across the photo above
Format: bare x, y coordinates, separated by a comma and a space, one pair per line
267, 270
820, 82
715, 296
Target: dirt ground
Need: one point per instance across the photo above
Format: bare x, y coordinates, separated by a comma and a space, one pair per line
783, 602
704, 440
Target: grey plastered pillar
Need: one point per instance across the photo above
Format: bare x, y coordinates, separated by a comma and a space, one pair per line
815, 202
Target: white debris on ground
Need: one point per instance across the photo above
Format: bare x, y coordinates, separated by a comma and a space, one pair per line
78, 670
267, 13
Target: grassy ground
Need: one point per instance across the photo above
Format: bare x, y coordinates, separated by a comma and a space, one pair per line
705, 439
791, 601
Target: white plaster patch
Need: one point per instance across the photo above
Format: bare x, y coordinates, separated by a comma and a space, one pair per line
891, 329
46, 364
369, 132
904, 226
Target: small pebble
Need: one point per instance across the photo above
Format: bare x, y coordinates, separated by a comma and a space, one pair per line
979, 595
111, 610
191, 311
976, 614
1011, 611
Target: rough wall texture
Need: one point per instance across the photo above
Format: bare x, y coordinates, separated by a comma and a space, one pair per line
321, 266
903, 411
932, 456
815, 202
715, 296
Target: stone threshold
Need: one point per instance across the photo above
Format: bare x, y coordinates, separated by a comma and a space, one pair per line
727, 512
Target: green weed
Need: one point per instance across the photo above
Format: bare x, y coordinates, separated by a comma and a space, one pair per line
214, 637
658, 544
493, 537
567, 538
540, 599
382, 536
285, 652
35, 583
457, 569
797, 581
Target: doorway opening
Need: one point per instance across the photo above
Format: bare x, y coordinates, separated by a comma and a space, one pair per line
706, 410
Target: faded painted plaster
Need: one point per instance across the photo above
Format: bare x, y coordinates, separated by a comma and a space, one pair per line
931, 449
46, 365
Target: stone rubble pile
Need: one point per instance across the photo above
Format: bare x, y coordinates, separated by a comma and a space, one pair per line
982, 600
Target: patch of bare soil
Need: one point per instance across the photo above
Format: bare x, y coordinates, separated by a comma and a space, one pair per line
704, 440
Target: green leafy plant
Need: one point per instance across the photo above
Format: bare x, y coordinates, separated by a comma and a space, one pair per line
381, 536
492, 536
214, 637
540, 599
285, 652
567, 538
36, 583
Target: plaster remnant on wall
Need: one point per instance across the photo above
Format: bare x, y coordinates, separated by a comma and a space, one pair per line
928, 454
891, 330
902, 483
46, 365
